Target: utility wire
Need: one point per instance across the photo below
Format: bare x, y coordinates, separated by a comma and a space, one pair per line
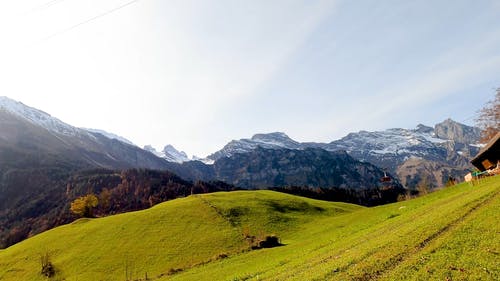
47, 5
89, 20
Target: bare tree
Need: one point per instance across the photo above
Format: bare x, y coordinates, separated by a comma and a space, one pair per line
489, 118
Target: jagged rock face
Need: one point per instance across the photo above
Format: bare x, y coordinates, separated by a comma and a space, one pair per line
263, 168
431, 153
451, 130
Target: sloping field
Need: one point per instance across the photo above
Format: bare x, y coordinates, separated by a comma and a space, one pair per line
450, 234
167, 238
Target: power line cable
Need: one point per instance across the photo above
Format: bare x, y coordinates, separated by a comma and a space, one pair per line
46, 5
108, 12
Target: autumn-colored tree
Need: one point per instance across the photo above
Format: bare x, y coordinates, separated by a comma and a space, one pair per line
489, 118
84, 206
104, 198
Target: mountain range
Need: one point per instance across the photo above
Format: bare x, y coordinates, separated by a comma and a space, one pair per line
425, 153
31, 137
40, 155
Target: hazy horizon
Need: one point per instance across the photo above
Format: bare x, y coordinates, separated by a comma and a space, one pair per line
197, 74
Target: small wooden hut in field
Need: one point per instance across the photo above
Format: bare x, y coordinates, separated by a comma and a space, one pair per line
489, 156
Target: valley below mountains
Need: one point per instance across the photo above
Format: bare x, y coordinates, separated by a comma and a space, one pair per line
46, 163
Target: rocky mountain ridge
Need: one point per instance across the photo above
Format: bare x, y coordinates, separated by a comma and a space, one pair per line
449, 145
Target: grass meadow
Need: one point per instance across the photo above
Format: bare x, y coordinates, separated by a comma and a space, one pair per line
450, 234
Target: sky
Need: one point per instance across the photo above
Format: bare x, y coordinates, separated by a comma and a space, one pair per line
198, 74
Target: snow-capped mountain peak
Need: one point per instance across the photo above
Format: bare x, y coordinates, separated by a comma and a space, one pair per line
37, 117
169, 153
274, 140
153, 150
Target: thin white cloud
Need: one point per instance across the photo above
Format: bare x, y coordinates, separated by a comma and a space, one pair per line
190, 72
463, 67
156, 71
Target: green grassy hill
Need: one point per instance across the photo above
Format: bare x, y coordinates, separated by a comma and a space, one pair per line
452, 233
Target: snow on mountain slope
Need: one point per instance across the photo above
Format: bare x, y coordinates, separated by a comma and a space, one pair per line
152, 150
449, 143
422, 142
275, 140
49, 122
172, 154
37, 117
169, 153
109, 135
41, 138
391, 141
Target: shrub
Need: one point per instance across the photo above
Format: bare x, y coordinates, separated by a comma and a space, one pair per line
48, 269
270, 241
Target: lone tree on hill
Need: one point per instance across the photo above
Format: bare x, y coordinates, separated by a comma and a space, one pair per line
84, 206
489, 118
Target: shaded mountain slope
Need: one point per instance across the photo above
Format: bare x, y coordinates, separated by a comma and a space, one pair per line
117, 191
26, 143
271, 167
310, 167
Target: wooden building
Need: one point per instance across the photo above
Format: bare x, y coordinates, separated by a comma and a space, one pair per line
489, 156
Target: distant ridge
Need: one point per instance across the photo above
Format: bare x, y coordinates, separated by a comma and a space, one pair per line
448, 147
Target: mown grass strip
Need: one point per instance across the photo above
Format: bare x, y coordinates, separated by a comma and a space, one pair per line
468, 251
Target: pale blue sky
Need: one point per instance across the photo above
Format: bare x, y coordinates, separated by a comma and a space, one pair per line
197, 74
